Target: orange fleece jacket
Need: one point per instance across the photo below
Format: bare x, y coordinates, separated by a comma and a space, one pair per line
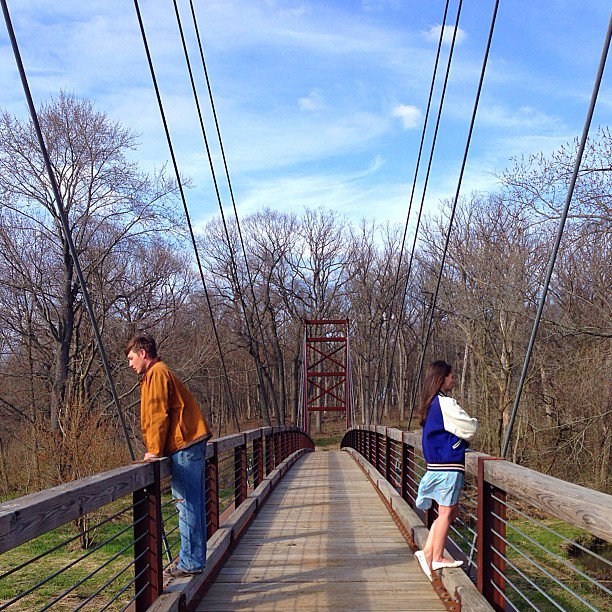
170, 417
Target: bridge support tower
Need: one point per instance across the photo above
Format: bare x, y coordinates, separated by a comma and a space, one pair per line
326, 368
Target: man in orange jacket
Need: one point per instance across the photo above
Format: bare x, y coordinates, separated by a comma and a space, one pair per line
173, 426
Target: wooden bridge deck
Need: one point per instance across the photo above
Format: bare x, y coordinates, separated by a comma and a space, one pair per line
323, 540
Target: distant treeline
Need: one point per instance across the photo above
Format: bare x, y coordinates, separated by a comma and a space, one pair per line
58, 419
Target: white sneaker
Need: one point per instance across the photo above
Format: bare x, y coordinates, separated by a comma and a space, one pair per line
436, 565
420, 557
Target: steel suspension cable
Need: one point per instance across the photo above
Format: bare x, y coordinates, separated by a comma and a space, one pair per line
253, 348
227, 173
560, 229
425, 184
64, 223
454, 206
187, 214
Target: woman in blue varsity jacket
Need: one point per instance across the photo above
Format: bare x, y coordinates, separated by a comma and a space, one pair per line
446, 430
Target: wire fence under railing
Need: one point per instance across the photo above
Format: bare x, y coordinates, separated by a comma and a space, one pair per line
525, 577
543, 571
68, 541
28, 590
125, 588
552, 555
506, 599
549, 529
95, 571
115, 536
109, 582
527, 563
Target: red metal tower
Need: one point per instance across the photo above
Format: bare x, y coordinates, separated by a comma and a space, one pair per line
327, 371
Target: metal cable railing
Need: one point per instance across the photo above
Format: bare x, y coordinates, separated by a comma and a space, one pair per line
528, 540
40, 564
26, 577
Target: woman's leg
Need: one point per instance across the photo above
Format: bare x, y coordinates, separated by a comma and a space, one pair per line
434, 547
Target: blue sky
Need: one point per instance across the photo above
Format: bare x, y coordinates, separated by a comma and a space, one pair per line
322, 102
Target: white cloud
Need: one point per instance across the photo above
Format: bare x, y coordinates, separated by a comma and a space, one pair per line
256, 142
524, 117
433, 35
313, 102
410, 115
351, 193
372, 6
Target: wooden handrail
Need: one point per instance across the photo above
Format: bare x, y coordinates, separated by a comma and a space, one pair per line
496, 479
30, 516
579, 506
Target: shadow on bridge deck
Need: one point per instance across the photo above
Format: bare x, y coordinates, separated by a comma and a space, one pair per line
323, 540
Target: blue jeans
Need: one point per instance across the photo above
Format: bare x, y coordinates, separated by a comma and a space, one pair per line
188, 488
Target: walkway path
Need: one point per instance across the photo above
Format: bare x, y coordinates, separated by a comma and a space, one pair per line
323, 541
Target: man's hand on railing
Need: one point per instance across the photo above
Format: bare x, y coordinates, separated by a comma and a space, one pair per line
148, 457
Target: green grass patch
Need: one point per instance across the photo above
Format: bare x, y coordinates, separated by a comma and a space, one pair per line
552, 569
534, 565
323, 441
117, 553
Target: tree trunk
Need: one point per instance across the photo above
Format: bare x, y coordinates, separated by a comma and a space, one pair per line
65, 331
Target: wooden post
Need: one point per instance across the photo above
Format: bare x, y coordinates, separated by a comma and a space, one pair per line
240, 473
148, 522
377, 451
373, 447
388, 471
281, 439
212, 484
277, 449
488, 540
268, 454
404, 470
410, 473
258, 459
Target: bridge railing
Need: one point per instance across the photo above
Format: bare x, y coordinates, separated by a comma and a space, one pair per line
528, 540
127, 526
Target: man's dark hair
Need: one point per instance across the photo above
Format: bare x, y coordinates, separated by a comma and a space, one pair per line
142, 341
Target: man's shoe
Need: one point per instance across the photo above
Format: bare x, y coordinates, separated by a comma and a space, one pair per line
177, 572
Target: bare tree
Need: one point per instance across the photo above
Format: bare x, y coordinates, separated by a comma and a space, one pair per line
110, 205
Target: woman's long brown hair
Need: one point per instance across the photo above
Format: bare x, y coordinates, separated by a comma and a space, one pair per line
435, 374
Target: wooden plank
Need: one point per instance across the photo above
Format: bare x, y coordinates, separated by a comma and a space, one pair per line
228, 442
219, 543
454, 580
241, 516
168, 602
584, 508
27, 517
323, 540
252, 434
